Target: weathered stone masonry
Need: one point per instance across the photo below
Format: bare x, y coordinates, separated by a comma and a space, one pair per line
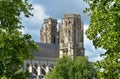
65, 40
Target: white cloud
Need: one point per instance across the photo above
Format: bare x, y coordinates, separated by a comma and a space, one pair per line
39, 14
37, 19
33, 24
90, 51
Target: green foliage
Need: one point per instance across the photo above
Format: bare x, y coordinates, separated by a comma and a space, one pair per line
61, 70
104, 31
66, 68
80, 68
15, 47
109, 67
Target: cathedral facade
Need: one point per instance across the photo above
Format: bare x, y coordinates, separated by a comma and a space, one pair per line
56, 40
69, 35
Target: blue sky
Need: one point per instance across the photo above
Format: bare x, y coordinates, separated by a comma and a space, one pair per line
57, 9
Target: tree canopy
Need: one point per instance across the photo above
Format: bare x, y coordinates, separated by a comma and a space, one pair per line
66, 68
104, 31
15, 47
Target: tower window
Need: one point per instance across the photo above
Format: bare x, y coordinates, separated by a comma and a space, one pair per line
62, 41
54, 39
69, 22
66, 31
69, 32
74, 36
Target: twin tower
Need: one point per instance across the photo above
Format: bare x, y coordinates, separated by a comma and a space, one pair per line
68, 35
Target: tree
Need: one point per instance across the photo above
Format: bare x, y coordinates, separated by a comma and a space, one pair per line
15, 47
80, 68
104, 31
61, 70
66, 68
109, 67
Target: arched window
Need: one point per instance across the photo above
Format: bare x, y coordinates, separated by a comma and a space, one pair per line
62, 41
74, 36
34, 68
54, 39
69, 22
43, 69
69, 33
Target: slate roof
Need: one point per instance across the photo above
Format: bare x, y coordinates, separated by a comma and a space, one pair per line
47, 50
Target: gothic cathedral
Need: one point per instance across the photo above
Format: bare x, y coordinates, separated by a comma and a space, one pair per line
68, 35
56, 40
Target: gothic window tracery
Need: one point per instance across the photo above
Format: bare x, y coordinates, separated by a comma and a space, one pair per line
75, 36
43, 69
69, 22
54, 39
62, 41
65, 32
69, 33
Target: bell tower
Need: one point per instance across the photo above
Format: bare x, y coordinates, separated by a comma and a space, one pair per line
48, 32
71, 40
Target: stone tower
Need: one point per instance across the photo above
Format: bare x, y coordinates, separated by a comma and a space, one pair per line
71, 40
48, 32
